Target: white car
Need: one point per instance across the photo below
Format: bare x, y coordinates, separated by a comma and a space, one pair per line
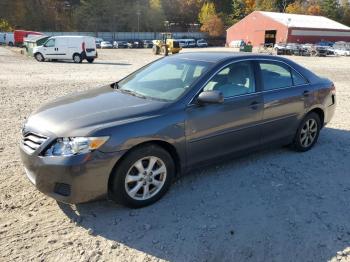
202, 43
76, 48
106, 44
341, 52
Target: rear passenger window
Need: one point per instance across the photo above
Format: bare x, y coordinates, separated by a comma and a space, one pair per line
298, 79
275, 75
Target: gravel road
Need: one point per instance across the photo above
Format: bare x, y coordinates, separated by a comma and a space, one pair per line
274, 205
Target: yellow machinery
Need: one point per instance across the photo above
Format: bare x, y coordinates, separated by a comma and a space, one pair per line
166, 45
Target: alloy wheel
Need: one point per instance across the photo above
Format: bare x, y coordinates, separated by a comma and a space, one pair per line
145, 178
308, 133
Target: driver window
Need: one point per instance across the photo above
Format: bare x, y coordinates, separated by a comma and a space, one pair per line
234, 80
50, 43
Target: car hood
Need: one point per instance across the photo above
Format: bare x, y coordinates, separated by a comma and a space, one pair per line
81, 113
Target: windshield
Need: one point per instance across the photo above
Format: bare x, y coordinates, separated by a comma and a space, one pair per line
166, 79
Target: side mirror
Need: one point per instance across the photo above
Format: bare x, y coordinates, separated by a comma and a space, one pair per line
210, 97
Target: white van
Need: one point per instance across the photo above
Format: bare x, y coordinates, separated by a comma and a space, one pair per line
7, 38
76, 48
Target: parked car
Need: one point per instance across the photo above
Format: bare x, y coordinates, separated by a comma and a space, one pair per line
98, 42
147, 43
341, 52
76, 48
128, 140
191, 43
135, 44
106, 45
320, 50
183, 44
325, 43
120, 44
202, 43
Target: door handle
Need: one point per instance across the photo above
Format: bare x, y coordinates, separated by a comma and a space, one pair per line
306, 93
254, 105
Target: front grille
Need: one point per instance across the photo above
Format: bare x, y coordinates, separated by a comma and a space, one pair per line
31, 142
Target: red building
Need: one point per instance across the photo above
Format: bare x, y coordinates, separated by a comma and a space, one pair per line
269, 27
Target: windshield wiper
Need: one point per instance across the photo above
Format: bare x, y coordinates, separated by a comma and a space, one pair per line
130, 92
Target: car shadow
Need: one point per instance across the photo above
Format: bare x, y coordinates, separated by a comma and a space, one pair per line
94, 63
273, 205
109, 63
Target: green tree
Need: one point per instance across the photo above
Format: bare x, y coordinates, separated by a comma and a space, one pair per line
207, 10
155, 15
295, 8
238, 10
345, 15
330, 9
266, 5
210, 20
5, 26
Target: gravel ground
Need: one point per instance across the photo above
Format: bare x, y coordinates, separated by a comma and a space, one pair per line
275, 205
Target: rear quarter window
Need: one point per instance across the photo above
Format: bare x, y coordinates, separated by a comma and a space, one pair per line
298, 79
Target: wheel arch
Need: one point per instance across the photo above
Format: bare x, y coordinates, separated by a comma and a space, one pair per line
37, 53
75, 53
320, 112
171, 149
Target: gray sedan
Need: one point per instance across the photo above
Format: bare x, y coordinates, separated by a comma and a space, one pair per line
128, 140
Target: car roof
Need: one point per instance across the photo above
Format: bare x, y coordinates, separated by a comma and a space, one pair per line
216, 57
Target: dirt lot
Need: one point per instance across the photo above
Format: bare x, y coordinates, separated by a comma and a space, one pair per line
275, 205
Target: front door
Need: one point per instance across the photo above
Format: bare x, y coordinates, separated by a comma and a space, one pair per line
50, 49
214, 130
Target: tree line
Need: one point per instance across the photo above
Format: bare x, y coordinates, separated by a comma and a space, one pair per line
212, 16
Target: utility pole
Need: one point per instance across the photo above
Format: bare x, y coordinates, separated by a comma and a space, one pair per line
138, 20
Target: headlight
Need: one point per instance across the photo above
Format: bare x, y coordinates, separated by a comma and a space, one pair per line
68, 146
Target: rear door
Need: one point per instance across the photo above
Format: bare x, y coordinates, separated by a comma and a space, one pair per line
214, 130
90, 46
284, 94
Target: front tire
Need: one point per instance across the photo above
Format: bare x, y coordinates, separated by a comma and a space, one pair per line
77, 58
164, 51
307, 133
39, 57
143, 177
155, 50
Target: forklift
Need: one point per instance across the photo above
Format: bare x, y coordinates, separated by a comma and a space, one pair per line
166, 45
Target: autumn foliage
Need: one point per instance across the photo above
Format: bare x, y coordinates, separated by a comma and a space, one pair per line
212, 16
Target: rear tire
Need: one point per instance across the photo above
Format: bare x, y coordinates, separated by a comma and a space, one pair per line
90, 60
143, 177
77, 58
39, 57
155, 50
307, 133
